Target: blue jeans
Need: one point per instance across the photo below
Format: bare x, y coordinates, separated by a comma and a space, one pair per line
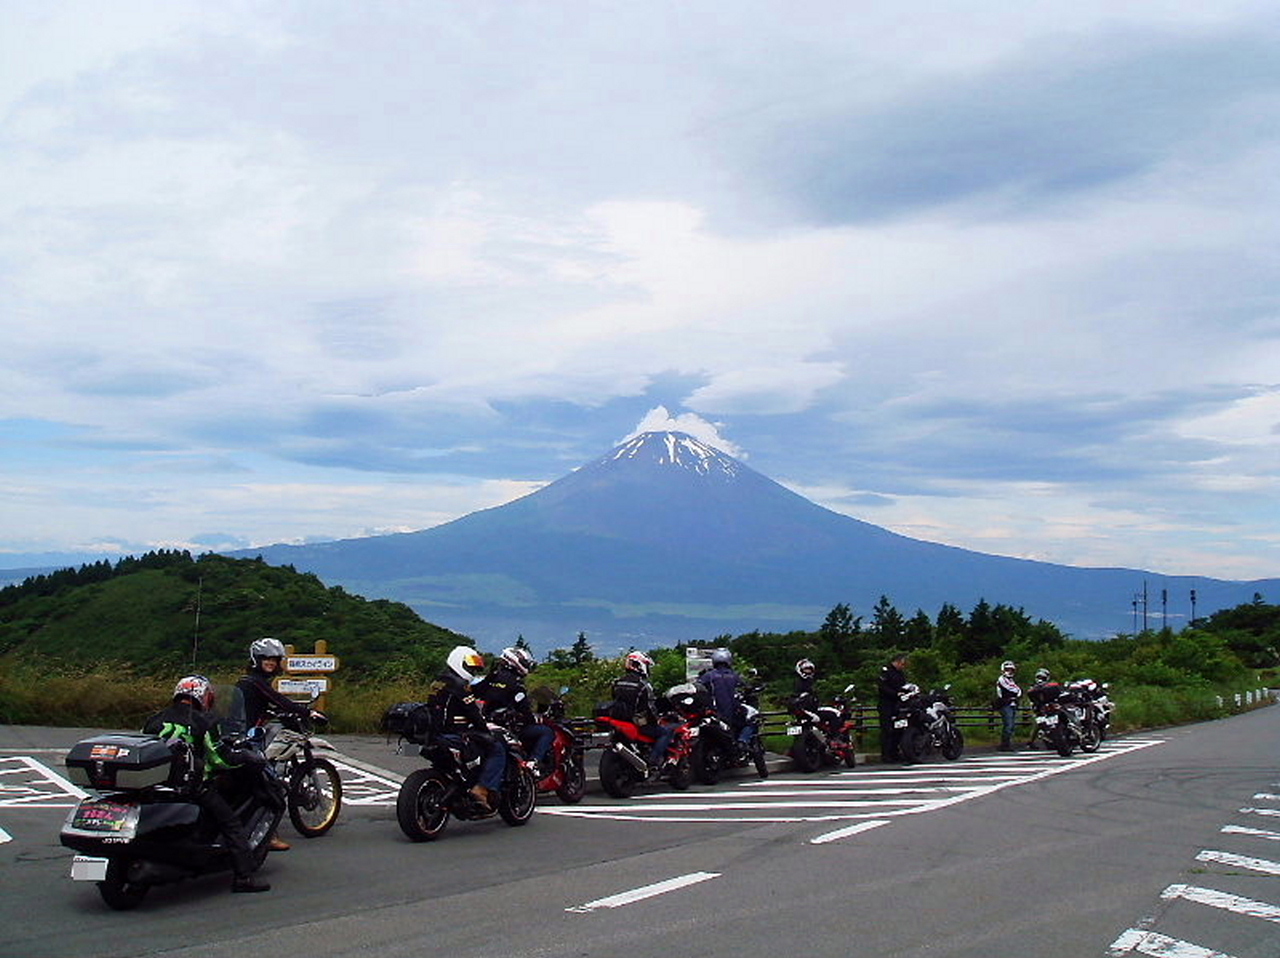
537, 738
494, 765
662, 737
1009, 715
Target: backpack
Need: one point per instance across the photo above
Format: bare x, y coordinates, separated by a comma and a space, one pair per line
412, 721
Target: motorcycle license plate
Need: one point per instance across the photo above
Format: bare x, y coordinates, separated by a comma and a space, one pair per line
794, 730
101, 817
900, 723
87, 868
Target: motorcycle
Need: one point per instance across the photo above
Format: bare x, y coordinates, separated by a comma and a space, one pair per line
927, 721
1097, 707
313, 786
823, 734
718, 745
624, 761
568, 775
1058, 718
144, 825
430, 796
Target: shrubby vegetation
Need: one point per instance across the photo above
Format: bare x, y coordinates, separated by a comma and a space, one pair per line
102, 645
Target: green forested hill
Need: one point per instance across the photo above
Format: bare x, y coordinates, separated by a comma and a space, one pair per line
162, 610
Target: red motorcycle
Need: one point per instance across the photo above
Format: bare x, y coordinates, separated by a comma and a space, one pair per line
824, 734
624, 762
568, 775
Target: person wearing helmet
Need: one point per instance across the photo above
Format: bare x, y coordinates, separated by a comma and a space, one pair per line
458, 714
505, 698
634, 701
1044, 691
892, 679
189, 719
727, 689
803, 695
257, 701
1006, 702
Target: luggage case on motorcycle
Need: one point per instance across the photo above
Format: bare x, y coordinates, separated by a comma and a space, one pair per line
412, 721
124, 761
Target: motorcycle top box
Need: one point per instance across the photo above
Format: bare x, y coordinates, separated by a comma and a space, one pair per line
123, 762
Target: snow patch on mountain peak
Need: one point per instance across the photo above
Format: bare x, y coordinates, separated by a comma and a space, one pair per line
676, 449
659, 420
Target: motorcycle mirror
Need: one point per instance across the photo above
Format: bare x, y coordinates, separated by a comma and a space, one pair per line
850, 688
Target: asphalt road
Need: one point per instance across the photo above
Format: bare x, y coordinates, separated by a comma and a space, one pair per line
1161, 844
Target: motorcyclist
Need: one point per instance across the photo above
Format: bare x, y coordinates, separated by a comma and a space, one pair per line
634, 701
460, 719
257, 701
188, 719
892, 679
1044, 690
1006, 700
727, 689
803, 695
504, 695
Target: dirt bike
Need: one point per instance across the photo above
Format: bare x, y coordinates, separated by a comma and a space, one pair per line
430, 796
624, 761
144, 826
568, 774
925, 722
822, 735
313, 786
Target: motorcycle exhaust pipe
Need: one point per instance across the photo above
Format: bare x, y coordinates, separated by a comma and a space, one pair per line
634, 760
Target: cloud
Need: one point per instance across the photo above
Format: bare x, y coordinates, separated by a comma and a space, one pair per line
659, 419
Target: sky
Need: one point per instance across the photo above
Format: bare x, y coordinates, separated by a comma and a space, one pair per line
1003, 276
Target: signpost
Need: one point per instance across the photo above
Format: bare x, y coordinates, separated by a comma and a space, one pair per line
301, 682
696, 661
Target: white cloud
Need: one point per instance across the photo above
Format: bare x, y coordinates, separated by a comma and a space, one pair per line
659, 419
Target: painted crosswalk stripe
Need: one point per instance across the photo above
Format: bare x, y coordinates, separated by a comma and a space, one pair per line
1269, 812
1220, 899
647, 891
1254, 832
1240, 861
5, 836
840, 833
1137, 941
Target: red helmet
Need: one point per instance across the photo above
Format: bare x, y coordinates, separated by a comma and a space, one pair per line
639, 662
197, 689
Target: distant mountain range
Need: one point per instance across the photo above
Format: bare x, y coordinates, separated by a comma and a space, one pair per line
666, 539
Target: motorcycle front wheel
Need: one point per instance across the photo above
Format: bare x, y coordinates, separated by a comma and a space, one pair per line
682, 775
1090, 737
707, 761
806, 752
758, 757
953, 747
518, 798
617, 777
575, 780
911, 744
1061, 741
117, 891
420, 807
315, 797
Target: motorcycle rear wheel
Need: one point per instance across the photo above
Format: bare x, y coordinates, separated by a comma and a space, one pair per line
519, 798
911, 744
420, 806
806, 752
850, 757
1061, 741
575, 781
117, 891
617, 777
953, 747
1090, 737
315, 798
682, 775
707, 761
758, 757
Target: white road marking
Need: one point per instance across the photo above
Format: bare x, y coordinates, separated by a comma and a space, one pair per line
5, 836
840, 833
1255, 832
1272, 812
647, 891
44, 788
1220, 899
1240, 861
1158, 946
1267, 797
364, 784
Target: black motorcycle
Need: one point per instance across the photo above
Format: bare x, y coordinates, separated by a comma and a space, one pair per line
429, 796
145, 827
718, 745
926, 722
822, 734
1058, 718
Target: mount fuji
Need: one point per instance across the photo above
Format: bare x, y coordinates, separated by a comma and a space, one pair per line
666, 539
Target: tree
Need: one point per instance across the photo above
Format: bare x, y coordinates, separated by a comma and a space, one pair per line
839, 630
919, 631
887, 624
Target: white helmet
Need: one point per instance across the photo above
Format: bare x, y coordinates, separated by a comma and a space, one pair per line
1008, 666
1042, 675
267, 648
519, 659
805, 668
465, 662
638, 662
197, 689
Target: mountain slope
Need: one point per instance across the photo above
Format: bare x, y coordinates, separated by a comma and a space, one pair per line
665, 539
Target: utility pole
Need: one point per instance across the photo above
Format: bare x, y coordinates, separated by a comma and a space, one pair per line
1193, 607
1144, 605
1164, 610
195, 637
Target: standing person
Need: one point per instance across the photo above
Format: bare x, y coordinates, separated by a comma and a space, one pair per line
188, 719
1007, 694
256, 699
893, 677
727, 689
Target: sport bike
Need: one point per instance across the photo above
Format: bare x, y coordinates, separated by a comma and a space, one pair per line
925, 722
1057, 718
822, 734
624, 761
718, 745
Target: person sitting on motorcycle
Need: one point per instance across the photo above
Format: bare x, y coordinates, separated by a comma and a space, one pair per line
188, 719
503, 693
727, 689
257, 701
1007, 694
634, 701
461, 721
1044, 690
803, 696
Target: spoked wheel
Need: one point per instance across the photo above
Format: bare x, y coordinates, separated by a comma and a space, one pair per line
953, 747
1090, 737
758, 758
519, 797
911, 744
315, 798
420, 806
707, 760
617, 777
116, 889
575, 780
806, 752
